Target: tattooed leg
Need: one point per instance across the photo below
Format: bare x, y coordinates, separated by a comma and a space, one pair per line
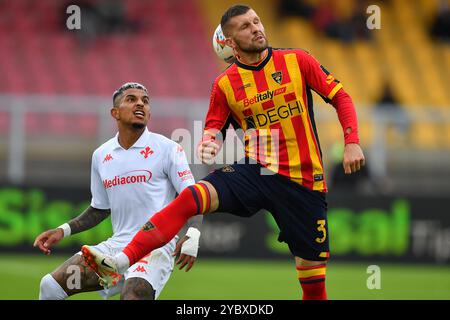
75, 277
137, 289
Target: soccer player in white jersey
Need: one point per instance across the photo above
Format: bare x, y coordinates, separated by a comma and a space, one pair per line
133, 175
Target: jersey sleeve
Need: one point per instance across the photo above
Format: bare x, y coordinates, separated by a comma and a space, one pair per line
100, 198
218, 111
317, 77
346, 112
177, 168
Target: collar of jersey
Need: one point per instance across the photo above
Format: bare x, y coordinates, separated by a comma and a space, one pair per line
259, 66
140, 143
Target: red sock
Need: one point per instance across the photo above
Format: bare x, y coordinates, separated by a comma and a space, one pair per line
165, 224
312, 280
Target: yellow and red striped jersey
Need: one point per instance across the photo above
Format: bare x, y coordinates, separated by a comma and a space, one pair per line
272, 103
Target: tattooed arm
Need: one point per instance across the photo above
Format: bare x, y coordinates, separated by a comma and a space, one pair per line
88, 219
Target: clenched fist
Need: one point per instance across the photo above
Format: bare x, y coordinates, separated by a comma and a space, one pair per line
207, 151
353, 158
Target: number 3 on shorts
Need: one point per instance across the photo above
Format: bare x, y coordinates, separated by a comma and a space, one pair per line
322, 229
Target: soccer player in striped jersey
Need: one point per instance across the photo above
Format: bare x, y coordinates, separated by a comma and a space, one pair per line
267, 93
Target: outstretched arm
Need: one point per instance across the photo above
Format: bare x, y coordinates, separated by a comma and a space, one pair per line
88, 219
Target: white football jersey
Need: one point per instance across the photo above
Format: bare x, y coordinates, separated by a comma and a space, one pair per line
138, 182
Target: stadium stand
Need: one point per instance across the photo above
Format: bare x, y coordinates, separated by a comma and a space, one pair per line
41, 57
404, 23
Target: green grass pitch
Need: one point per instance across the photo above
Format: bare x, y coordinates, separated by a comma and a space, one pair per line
241, 279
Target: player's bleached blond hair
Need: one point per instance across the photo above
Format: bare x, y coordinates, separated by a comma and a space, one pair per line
126, 86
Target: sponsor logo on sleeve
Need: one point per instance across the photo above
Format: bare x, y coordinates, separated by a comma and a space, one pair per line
185, 175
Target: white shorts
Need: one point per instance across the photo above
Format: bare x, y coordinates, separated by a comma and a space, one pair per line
155, 267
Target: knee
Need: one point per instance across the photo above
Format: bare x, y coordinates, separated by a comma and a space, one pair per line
45, 287
49, 289
137, 289
214, 198
300, 262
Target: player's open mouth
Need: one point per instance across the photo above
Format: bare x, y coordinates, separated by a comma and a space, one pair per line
258, 38
139, 114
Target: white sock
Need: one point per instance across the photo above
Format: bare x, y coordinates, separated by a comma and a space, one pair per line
122, 262
50, 289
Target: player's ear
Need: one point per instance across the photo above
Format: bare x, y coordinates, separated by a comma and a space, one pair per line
229, 42
115, 113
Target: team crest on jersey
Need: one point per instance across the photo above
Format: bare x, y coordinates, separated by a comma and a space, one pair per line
146, 152
148, 226
227, 169
277, 76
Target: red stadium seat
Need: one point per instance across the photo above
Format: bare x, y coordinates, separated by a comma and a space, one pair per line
54, 61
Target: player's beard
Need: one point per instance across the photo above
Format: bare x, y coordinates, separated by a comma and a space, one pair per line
138, 126
253, 48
